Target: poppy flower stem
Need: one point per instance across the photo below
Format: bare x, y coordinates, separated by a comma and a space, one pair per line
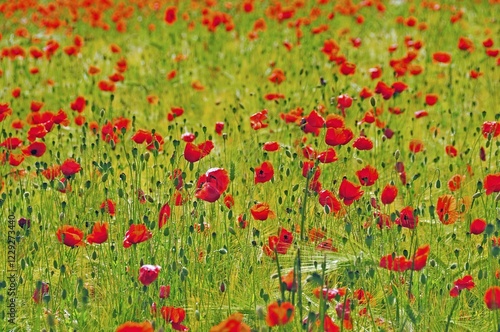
298, 273
281, 283
304, 204
448, 321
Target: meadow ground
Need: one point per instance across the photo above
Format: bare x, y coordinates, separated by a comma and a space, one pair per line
249, 165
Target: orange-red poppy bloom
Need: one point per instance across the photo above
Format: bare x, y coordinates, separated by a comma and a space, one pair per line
441, 57
171, 15
463, 283
389, 194
406, 218
70, 236
477, 226
193, 152
108, 206
338, 136
264, 172
367, 175
163, 215
416, 146
492, 298
328, 156
327, 198
271, 146
446, 209
363, 143
233, 323
279, 313
174, 316
277, 76
36, 149
261, 211
148, 274
212, 184
492, 183
257, 120
135, 327
136, 234
70, 167
349, 192
99, 233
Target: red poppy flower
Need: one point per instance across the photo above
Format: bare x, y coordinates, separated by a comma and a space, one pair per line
492, 298
163, 215
455, 182
344, 101
446, 209
219, 127
343, 310
271, 146
338, 136
141, 136
99, 233
363, 143
441, 57
399, 87
234, 323
312, 123
229, 201
389, 194
386, 91
15, 159
279, 313
193, 152
11, 143
135, 327
176, 176
277, 76
188, 137
174, 316
256, 120
148, 274
399, 264
50, 173
327, 198
36, 149
261, 211
492, 183
367, 175
347, 68
328, 156
451, 151
264, 172
174, 113
35, 106
431, 99
70, 236
70, 167
349, 192
171, 15
478, 226
491, 128
416, 146
41, 290
78, 105
309, 169
274, 96
375, 72
136, 234
462, 283
420, 257
465, 44
108, 206
212, 184
406, 218
5, 111
16, 92
36, 131
108, 86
